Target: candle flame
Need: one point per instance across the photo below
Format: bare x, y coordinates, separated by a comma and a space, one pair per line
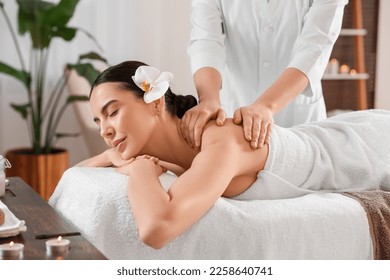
11, 244
59, 239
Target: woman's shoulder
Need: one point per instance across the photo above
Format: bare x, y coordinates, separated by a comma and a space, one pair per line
229, 128
229, 134
229, 141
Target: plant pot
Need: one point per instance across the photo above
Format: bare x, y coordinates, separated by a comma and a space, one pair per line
42, 172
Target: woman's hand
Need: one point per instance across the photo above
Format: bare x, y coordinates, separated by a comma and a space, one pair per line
115, 158
257, 123
195, 119
109, 157
143, 162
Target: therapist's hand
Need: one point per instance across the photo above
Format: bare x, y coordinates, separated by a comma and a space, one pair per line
195, 119
257, 121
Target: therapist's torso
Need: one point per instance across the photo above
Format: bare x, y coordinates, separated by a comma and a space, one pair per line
262, 38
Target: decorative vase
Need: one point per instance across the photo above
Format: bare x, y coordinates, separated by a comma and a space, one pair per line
42, 172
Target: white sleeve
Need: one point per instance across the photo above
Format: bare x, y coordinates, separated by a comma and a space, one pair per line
321, 28
206, 47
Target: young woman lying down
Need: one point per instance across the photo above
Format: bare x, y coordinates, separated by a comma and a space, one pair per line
139, 118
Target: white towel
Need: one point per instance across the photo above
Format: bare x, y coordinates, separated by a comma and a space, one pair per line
316, 226
348, 152
12, 226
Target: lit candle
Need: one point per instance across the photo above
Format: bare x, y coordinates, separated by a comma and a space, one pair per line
334, 66
353, 72
57, 246
344, 69
11, 250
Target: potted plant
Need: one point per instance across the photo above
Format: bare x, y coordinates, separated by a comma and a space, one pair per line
43, 22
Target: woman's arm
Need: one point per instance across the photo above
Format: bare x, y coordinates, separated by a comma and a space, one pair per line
109, 157
177, 170
257, 118
208, 83
321, 28
162, 216
206, 50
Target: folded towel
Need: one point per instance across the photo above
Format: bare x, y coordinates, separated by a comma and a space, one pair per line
377, 206
12, 226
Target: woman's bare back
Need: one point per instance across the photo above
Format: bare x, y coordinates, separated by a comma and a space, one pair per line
248, 163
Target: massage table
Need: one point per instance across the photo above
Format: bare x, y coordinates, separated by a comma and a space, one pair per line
312, 226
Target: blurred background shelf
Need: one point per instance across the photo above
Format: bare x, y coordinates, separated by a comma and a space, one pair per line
357, 76
355, 48
353, 32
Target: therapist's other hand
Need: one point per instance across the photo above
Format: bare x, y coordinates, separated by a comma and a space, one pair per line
257, 121
195, 119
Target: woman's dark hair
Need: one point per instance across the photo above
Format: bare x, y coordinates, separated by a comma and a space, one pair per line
122, 74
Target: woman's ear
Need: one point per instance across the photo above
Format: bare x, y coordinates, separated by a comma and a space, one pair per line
159, 105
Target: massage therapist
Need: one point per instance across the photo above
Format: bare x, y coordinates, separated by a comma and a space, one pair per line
260, 61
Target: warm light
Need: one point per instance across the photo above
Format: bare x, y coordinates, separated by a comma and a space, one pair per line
59, 239
352, 72
333, 61
344, 69
11, 244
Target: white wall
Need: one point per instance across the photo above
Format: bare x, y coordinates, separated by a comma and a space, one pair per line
382, 91
155, 32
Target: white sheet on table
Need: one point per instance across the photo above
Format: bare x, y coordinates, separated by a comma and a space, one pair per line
314, 226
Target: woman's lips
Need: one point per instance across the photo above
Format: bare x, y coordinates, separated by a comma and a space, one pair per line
121, 146
116, 143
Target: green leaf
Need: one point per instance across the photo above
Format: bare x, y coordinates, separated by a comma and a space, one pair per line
31, 20
29, 14
60, 14
44, 20
23, 109
22, 76
92, 55
66, 33
62, 135
76, 98
85, 70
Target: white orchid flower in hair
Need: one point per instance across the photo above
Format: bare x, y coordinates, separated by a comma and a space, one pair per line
153, 82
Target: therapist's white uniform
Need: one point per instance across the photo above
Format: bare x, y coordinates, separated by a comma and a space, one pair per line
251, 42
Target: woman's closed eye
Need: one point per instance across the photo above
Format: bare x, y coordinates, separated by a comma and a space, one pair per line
113, 113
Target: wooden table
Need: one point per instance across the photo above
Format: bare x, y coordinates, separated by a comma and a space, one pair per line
40, 219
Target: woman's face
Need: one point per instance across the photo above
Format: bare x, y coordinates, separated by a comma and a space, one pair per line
126, 122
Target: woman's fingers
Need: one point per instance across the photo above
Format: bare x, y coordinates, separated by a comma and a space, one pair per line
256, 132
257, 122
195, 119
184, 126
221, 117
268, 136
237, 117
263, 133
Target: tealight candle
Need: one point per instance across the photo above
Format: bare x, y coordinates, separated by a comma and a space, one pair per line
344, 69
57, 246
353, 72
11, 250
334, 66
